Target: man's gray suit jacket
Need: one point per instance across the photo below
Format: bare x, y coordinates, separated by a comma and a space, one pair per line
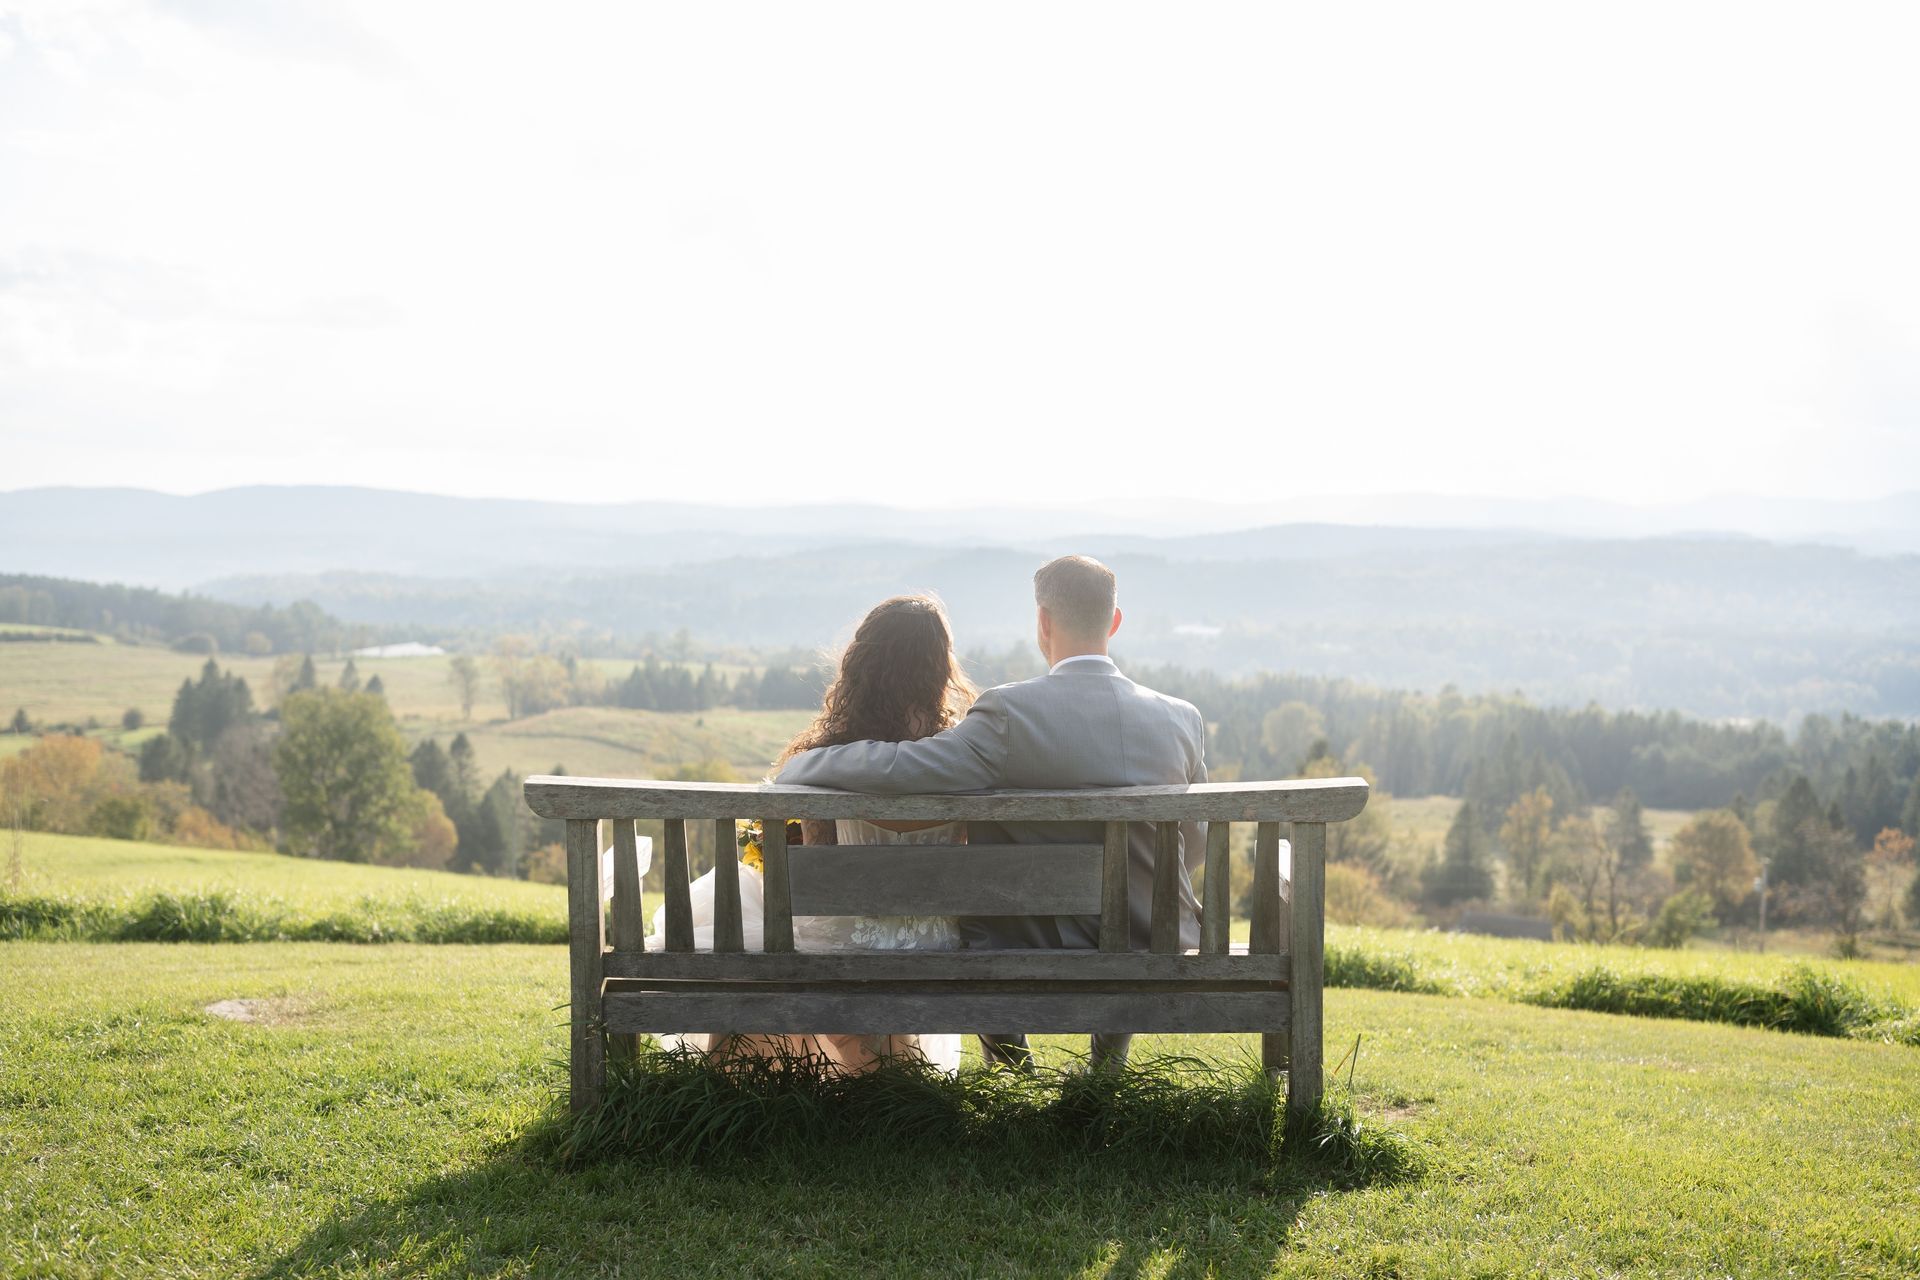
1084, 725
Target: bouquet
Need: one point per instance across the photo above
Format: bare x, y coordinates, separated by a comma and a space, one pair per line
749, 835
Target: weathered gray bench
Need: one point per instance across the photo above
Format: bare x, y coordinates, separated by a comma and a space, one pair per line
1271, 986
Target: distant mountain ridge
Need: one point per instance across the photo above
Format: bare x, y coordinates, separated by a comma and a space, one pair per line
162, 540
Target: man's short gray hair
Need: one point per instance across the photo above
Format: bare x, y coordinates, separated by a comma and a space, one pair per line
1079, 592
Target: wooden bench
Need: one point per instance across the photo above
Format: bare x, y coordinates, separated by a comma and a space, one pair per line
1272, 986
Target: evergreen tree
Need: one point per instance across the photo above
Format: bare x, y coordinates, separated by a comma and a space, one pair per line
1910, 815
494, 841
163, 759
21, 724
432, 770
308, 677
376, 686
466, 772
1785, 847
1627, 828
349, 678
1462, 874
204, 710
1742, 810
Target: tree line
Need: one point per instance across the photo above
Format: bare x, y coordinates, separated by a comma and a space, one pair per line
145, 615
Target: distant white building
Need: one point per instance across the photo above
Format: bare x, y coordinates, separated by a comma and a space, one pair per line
411, 649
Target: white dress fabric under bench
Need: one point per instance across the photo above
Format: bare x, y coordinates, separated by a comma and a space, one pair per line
832, 933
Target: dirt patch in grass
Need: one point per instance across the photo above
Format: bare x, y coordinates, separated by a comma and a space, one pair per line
266, 1011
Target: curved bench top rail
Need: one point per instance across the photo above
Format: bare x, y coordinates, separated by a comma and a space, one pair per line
1297, 800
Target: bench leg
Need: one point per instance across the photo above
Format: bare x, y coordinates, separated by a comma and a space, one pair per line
587, 1050
1308, 949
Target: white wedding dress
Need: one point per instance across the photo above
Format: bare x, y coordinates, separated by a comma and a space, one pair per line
832, 933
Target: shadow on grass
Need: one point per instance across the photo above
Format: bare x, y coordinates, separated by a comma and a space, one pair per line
691, 1171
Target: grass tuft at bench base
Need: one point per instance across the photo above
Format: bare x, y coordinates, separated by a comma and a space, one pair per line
1167, 1116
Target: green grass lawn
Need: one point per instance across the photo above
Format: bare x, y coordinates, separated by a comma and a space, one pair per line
374, 1124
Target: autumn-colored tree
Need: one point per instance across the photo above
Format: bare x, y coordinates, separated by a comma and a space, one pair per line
1527, 837
432, 839
53, 784
1889, 865
1714, 854
1891, 848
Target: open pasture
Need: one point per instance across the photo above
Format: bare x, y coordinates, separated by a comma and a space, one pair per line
372, 1120
89, 867
82, 683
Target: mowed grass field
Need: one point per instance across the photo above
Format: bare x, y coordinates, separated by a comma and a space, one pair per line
77, 683
92, 868
1421, 822
373, 1122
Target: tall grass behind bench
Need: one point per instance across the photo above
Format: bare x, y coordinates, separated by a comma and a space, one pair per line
228, 915
1802, 999
1162, 1116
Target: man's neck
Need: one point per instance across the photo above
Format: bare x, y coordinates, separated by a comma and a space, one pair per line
1075, 656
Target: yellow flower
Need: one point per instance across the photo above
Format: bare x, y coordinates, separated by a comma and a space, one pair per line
749, 835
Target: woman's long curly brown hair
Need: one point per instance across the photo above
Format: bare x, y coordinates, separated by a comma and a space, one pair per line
898, 680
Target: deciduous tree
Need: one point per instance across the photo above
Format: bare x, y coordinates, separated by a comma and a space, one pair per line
463, 673
342, 767
1527, 837
1713, 854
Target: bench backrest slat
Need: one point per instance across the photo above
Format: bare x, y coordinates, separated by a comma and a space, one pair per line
777, 933
1113, 889
1216, 913
946, 880
628, 924
673, 872
728, 934
1164, 919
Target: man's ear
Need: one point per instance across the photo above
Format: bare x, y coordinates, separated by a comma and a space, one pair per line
1114, 629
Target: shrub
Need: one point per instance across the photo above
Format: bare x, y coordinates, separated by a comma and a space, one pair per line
1681, 916
120, 818
208, 916
1355, 895
28, 916
1804, 1000
1352, 967
196, 827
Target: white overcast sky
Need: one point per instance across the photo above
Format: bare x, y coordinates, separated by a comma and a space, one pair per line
952, 254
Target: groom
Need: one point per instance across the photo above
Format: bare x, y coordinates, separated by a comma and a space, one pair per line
1083, 724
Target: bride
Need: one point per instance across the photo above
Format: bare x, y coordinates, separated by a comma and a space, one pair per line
898, 680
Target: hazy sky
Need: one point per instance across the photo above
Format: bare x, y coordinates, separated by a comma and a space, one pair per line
964, 253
